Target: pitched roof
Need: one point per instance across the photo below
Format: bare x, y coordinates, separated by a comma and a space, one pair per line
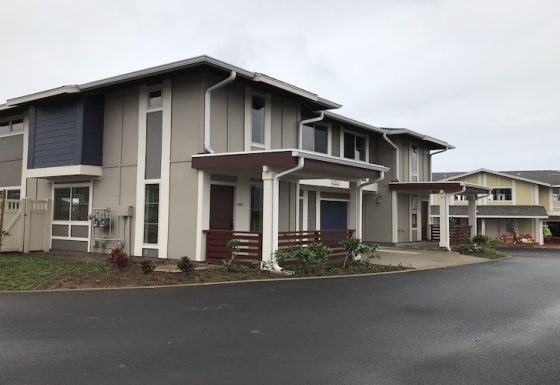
170, 67
496, 211
544, 177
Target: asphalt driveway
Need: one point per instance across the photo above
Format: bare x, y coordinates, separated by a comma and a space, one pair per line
489, 323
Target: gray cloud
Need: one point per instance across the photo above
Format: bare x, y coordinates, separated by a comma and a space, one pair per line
482, 75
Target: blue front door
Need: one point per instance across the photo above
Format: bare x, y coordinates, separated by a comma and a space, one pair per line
334, 215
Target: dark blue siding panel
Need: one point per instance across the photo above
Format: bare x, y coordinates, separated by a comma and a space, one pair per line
92, 136
66, 133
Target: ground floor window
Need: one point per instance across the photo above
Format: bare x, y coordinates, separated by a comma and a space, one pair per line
151, 214
71, 204
256, 217
12, 194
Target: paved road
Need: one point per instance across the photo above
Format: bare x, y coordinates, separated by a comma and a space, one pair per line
490, 323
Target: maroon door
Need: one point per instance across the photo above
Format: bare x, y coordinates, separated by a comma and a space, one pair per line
221, 207
425, 216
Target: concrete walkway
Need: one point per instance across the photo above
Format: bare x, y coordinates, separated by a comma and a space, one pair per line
425, 259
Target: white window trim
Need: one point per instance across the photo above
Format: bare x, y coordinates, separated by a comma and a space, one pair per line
163, 181
491, 199
70, 223
249, 144
366, 137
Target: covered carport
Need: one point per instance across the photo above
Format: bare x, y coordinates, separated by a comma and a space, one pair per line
446, 191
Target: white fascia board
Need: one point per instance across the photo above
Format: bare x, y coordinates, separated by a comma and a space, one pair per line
74, 170
71, 89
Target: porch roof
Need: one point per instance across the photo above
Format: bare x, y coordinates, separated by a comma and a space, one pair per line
316, 166
489, 211
436, 187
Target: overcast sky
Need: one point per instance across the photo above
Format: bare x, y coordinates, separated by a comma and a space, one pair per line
483, 75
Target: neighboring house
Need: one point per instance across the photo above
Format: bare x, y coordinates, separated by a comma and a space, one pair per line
520, 202
171, 160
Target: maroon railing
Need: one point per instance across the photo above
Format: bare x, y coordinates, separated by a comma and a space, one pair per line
217, 250
457, 234
251, 243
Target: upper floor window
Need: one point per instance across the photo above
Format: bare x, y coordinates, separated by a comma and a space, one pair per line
500, 194
9, 126
257, 119
556, 194
414, 160
354, 146
460, 198
315, 138
155, 99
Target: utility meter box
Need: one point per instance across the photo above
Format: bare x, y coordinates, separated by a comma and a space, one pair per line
126, 211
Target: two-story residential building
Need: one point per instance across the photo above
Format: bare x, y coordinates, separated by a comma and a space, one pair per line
171, 160
519, 204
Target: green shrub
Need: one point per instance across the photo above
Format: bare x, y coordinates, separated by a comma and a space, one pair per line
185, 265
234, 246
355, 248
479, 246
308, 259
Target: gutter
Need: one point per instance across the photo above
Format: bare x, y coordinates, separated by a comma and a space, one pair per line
275, 210
207, 104
435, 153
304, 122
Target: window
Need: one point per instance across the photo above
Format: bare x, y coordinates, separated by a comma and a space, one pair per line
11, 126
500, 194
257, 119
154, 124
556, 194
354, 146
71, 204
315, 138
414, 160
151, 214
460, 198
11, 194
256, 208
414, 220
155, 99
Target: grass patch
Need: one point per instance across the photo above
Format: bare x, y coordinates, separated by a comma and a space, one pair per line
489, 253
25, 272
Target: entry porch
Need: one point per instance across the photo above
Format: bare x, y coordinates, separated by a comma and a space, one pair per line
256, 197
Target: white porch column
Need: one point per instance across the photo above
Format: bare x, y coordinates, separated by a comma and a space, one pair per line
269, 240
354, 212
202, 214
444, 220
539, 236
472, 215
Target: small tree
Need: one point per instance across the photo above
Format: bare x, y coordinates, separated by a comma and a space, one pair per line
355, 247
234, 246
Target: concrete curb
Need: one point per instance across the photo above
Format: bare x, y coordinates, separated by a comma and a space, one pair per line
248, 280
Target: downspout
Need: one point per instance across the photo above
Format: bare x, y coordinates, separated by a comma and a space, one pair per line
275, 209
207, 101
396, 148
360, 201
304, 122
435, 153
